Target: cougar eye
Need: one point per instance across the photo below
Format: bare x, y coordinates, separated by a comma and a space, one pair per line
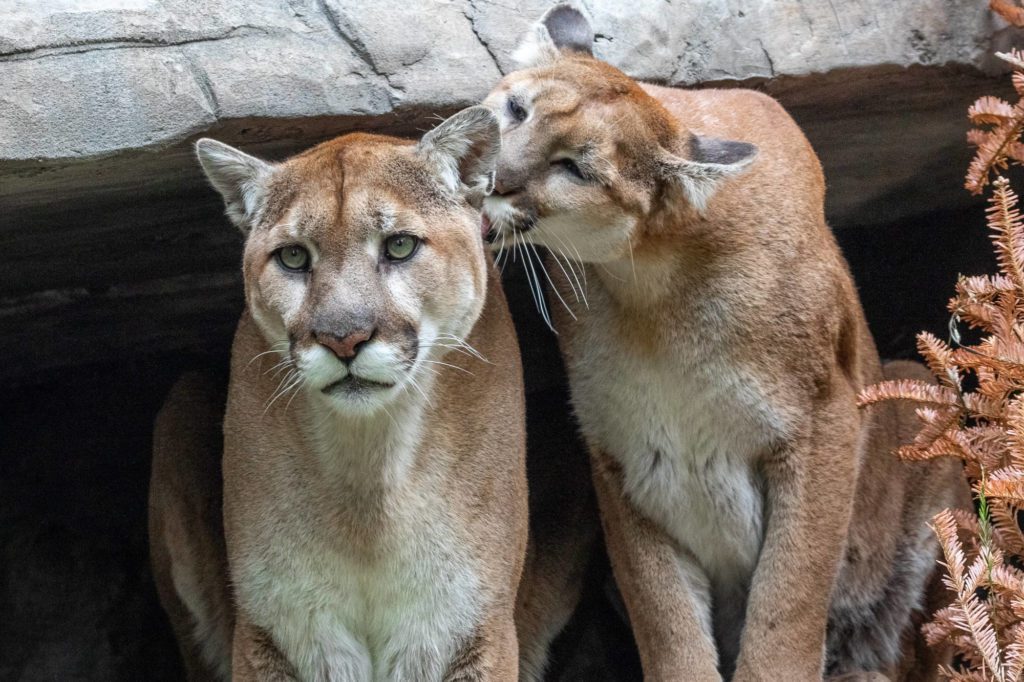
516, 111
570, 166
294, 258
400, 247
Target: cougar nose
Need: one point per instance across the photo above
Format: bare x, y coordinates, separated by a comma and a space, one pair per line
506, 182
344, 347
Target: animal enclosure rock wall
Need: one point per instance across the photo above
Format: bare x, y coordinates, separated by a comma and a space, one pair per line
109, 226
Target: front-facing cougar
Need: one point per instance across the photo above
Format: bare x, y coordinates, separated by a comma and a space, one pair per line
374, 494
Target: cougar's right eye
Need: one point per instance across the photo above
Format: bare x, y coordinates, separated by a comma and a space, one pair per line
294, 258
516, 110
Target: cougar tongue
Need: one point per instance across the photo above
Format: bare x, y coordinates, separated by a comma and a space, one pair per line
485, 225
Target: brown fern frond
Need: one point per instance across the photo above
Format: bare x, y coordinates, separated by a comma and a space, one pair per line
939, 357
1014, 58
934, 424
1015, 653
1008, 484
1006, 529
1008, 231
983, 287
1008, 11
1015, 431
978, 624
977, 137
991, 154
976, 414
988, 110
908, 389
940, 447
1005, 579
1015, 151
984, 406
944, 526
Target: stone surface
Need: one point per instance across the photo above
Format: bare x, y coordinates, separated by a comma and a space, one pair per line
437, 54
75, 106
110, 224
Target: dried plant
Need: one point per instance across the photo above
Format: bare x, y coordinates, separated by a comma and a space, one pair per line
975, 412
1000, 144
1009, 11
984, 427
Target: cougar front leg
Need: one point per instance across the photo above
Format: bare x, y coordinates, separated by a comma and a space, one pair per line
492, 656
809, 484
666, 595
255, 657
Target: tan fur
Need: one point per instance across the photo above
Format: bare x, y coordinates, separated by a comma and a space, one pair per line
318, 481
186, 527
720, 353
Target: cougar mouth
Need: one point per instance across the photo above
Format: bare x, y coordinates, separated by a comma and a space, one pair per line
354, 384
512, 220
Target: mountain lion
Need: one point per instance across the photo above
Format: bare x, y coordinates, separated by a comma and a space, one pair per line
758, 525
374, 493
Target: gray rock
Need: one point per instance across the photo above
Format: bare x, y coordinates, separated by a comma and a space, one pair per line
429, 52
416, 54
72, 25
108, 217
299, 75
99, 102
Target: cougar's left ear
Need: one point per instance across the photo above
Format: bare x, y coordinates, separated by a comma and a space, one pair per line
710, 162
562, 28
464, 150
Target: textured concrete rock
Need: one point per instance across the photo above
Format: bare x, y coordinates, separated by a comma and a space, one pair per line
444, 53
298, 76
111, 224
46, 26
427, 51
691, 42
80, 105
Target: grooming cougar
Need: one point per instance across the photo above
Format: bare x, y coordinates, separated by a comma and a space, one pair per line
374, 507
758, 525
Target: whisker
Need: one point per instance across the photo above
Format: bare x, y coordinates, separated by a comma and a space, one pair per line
297, 390
535, 284
569, 261
540, 264
504, 253
466, 345
632, 263
287, 362
293, 378
461, 369
578, 288
278, 347
410, 380
533, 291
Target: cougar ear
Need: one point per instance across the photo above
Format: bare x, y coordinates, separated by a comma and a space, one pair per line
240, 179
464, 150
562, 28
710, 162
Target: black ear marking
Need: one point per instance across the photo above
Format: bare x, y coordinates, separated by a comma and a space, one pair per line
570, 30
718, 151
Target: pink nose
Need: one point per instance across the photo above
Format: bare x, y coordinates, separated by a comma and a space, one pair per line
345, 347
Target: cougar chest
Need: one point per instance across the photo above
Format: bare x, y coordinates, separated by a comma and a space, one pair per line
687, 426
400, 612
